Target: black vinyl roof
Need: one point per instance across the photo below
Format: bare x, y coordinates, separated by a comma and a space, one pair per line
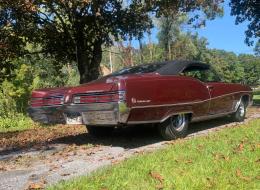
178, 66
163, 68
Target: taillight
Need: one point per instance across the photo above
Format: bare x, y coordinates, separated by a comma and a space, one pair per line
48, 101
117, 96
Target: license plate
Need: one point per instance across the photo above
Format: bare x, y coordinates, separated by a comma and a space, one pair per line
77, 120
99, 117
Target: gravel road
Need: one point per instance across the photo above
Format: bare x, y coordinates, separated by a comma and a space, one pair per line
81, 154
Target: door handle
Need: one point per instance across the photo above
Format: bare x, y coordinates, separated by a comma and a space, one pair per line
210, 87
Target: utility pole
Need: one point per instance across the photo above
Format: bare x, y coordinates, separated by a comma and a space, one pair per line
110, 60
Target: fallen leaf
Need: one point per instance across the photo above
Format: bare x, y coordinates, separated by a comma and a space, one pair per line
43, 180
241, 147
2, 168
65, 174
188, 162
115, 161
156, 176
226, 158
159, 186
35, 186
239, 174
104, 189
257, 177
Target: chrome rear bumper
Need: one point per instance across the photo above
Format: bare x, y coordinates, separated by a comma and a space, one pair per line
112, 113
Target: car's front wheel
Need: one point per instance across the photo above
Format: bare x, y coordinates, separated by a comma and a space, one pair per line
99, 131
175, 127
240, 113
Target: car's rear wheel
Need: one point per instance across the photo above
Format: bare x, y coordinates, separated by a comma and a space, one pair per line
175, 127
240, 113
99, 131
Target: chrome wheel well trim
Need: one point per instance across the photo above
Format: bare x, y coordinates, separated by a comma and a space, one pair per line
241, 100
174, 114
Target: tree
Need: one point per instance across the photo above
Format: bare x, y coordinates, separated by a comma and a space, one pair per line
75, 30
257, 49
169, 30
251, 66
247, 10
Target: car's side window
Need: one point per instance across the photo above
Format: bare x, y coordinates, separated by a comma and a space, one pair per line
207, 75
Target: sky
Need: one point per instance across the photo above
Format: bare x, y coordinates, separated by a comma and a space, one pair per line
222, 33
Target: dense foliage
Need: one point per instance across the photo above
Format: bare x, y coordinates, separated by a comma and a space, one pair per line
31, 73
75, 30
247, 10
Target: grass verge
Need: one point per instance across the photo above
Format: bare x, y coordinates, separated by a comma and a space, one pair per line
228, 159
256, 97
19, 122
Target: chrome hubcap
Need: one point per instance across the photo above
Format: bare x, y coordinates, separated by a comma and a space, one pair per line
241, 110
178, 122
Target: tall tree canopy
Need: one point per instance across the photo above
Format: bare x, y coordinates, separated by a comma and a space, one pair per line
75, 30
247, 10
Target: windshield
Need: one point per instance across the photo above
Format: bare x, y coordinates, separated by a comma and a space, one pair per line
147, 68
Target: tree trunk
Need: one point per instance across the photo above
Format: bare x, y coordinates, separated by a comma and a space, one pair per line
150, 46
141, 50
89, 59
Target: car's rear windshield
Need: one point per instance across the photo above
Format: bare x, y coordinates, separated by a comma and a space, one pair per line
147, 68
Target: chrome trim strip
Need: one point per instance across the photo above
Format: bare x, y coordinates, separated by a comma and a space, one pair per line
157, 121
183, 112
142, 122
237, 104
208, 117
48, 97
187, 103
50, 106
123, 112
101, 93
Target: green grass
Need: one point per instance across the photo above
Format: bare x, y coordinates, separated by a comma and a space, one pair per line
229, 159
19, 122
256, 97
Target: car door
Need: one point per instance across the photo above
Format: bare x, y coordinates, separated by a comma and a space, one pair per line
221, 101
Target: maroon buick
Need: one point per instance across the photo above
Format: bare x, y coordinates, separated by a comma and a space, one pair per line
168, 94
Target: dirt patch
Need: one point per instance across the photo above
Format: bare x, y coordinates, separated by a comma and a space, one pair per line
36, 138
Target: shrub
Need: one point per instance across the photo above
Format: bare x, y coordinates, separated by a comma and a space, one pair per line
16, 123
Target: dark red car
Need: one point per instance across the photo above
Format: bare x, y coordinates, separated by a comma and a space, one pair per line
169, 94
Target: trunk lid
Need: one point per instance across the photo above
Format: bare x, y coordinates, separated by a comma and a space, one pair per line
103, 85
47, 92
